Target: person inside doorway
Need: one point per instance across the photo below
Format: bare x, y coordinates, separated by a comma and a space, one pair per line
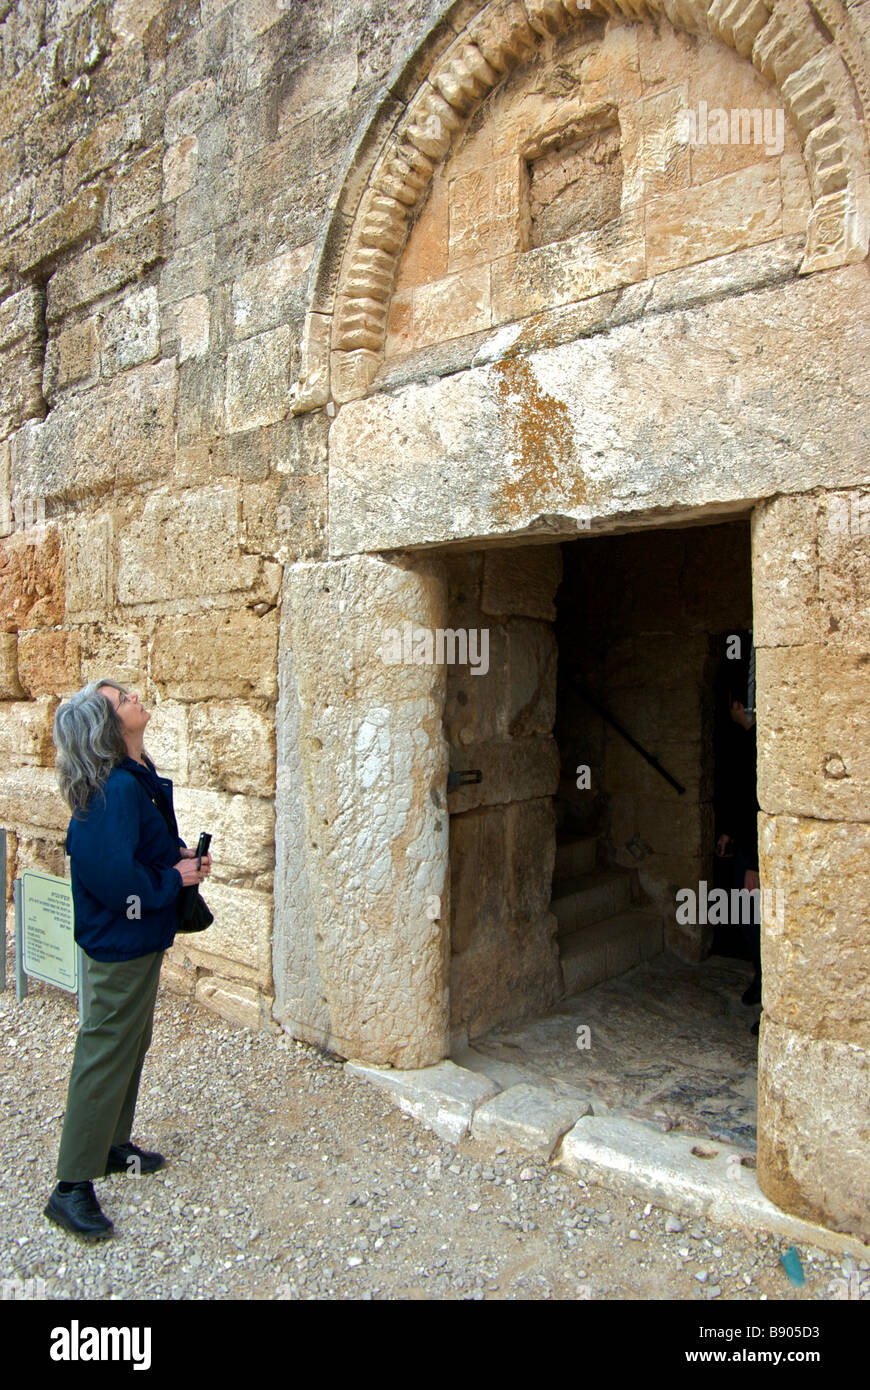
737, 800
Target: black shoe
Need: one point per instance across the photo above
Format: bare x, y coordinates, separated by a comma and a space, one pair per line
79, 1211
120, 1154
752, 993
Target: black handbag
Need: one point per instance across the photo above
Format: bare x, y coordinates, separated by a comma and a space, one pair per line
194, 913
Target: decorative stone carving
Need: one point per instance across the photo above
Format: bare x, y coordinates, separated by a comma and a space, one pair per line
819, 80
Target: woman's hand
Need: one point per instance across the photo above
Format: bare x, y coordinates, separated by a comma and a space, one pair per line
190, 874
751, 881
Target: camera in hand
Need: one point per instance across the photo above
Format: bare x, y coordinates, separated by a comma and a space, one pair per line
193, 914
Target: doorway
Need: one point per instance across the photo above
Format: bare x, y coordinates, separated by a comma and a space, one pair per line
612, 691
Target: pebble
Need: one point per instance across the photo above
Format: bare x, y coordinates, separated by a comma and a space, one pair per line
290, 1179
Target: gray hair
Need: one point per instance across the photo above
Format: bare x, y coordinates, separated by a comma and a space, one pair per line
89, 739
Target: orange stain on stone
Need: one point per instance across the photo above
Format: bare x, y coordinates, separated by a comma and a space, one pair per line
545, 467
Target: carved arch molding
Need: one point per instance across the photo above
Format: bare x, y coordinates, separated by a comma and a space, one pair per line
810, 50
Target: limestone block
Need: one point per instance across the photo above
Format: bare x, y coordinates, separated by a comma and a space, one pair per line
184, 546
527, 1117
121, 432
531, 689
785, 577
271, 294
21, 337
188, 109
242, 830
671, 825
190, 270
740, 209
125, 257
31, 579
300, 1003
10, 686
179, 167
844, 568
451, 307
118, 653
238, 1003
522, 581
501, 866
232, 746
815, 957
25, 731
638, 1161
373, 762
238, 944
743, 424
89, 578
443, 1097
72, 358
258, 380
813, 1133
166, 739
41, 852
487, 217
565, 271
130, 332
49, 663
813, 759
193, 320
477, 705
103, 147
30, 796
177, 973
516, 770
216, 656
136, 190
505, 974
61, 229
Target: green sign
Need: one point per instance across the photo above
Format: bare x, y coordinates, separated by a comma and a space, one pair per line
49, 947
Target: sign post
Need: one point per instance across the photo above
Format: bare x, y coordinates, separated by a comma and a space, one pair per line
45, 945
3, 881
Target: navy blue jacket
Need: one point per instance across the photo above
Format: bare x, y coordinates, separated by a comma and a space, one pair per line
121, 851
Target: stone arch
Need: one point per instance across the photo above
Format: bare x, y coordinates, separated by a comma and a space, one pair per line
809, 50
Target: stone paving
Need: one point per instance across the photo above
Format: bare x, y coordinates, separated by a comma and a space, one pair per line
669, 1044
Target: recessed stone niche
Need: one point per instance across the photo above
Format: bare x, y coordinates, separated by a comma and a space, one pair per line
574, 182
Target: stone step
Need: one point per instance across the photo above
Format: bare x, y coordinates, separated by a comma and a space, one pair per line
575, 857
609, 948
579, 902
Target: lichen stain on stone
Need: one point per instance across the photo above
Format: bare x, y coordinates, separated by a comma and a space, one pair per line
545, 462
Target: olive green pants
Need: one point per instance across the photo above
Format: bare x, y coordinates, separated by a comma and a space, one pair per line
110, 1050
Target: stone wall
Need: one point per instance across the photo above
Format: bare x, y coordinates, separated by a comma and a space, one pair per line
164, 169
811, 583
504, 958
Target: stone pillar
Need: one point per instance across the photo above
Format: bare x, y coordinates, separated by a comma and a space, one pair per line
811, 578
361, 900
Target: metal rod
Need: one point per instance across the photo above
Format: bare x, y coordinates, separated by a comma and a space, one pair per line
20, 977
609, 719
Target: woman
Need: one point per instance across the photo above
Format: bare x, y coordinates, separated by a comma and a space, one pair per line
128, 868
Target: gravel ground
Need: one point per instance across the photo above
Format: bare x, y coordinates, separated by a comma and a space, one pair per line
288, 1178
